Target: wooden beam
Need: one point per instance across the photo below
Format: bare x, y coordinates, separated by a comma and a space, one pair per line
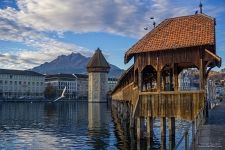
175, 76
158, 81
213, 55
217, 58
158, 76
172, 128
201, 75
138, 128
163, 133
150, 127
139, 81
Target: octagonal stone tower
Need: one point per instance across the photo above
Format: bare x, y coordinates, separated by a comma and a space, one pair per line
98, 69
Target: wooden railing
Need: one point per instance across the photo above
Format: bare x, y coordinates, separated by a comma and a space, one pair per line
128, 93
184, 105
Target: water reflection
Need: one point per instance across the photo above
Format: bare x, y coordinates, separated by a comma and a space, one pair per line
56, 126
98, 120
70, 125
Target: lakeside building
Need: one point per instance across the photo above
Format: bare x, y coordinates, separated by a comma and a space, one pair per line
21, 84
76, 85
184, 81
188, 79
112, 83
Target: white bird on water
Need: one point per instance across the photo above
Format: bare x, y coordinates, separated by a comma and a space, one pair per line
62, 96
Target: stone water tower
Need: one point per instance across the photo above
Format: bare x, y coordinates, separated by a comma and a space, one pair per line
98, 69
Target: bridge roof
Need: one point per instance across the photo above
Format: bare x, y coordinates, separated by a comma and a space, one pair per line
176, 33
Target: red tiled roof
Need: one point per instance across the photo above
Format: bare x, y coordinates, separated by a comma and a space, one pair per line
98, 62
179, 32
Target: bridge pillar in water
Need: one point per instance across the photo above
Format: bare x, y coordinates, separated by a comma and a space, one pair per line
163, 132
150, 122
138, 128
149, 127
171, 125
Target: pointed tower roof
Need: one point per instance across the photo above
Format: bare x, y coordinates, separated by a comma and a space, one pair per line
98, 63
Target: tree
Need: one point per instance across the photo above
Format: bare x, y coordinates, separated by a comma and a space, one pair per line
50, 91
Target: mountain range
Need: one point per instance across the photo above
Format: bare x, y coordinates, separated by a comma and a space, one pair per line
73, 63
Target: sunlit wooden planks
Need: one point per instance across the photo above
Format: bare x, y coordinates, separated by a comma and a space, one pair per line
184, 105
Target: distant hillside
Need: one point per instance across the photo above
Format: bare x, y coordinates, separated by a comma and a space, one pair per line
73, 63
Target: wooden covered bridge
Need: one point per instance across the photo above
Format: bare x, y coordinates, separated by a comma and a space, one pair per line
149, 88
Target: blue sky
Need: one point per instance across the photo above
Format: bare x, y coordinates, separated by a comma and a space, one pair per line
36, 31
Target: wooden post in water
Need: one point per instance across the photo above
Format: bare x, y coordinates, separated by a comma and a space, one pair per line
202, 79
138, 128
171, 124
150, 127
163, 132
194, 128
149, 132
131, 117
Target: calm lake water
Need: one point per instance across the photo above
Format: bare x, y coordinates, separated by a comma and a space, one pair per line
65, 125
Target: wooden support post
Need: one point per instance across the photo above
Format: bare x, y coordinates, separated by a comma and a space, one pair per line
175, 76
150, 127
186, 139
201, 75
131, 117
138, 128
164, 83
149, 132
158, 81
194, 131
163, 132
138, 145
139, 81
163, 126
171, 124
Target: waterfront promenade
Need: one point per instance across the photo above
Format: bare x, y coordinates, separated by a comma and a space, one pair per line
212, 134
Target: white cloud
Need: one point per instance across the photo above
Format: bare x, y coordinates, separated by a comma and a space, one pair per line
46, 49
34, 18
113, 16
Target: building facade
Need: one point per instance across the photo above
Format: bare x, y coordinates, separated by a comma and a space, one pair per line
188, 79
76, 85
184, 81
112, 83
19, 84
82, 86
